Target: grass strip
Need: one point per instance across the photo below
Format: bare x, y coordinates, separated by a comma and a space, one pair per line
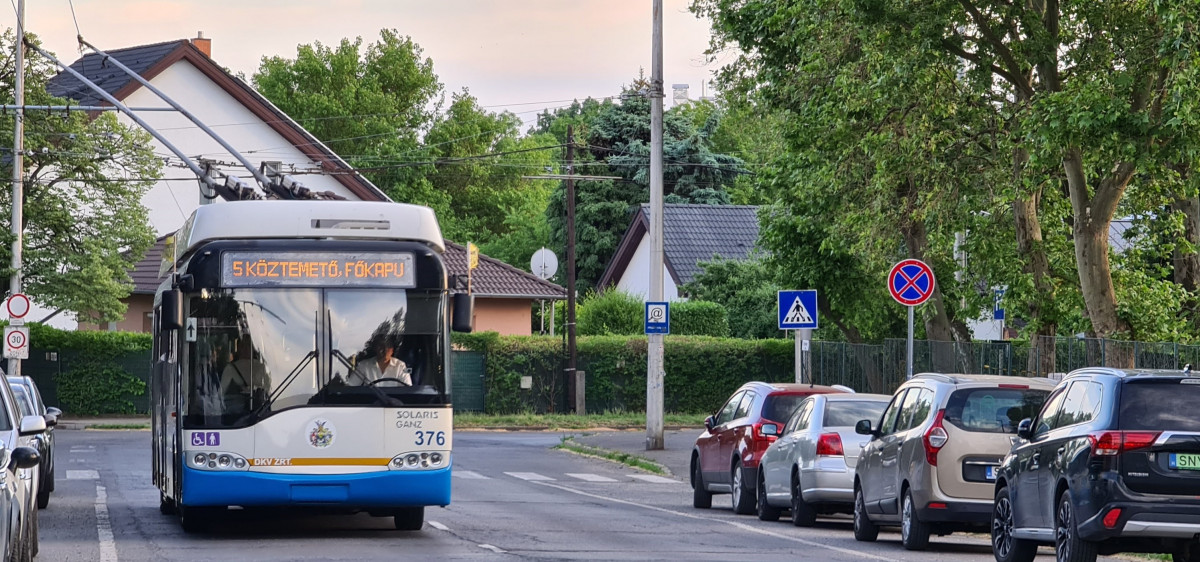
569, 444
119, 426
614, 420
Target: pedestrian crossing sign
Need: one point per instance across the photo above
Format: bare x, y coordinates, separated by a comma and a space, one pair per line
798, 310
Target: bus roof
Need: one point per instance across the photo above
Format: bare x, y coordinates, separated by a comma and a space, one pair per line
309, 219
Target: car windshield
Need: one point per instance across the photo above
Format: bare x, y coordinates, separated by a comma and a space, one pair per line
993, 409
1160, 404
846, 413
24, 404
259, 351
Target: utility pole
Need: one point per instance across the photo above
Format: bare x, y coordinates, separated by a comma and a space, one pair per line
18, 167
654, 349
571, 359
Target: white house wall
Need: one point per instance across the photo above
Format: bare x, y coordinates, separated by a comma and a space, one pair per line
636, 279
170, 202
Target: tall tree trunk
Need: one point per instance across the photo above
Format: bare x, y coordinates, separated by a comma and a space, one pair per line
937, 321
1032, 251
1187, 263
1093, 217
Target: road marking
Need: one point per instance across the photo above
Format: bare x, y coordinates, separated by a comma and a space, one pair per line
438, 526
530, 476
590, 477
108, 547
653, 479
83, 475
468, 475
739, 525
495, 549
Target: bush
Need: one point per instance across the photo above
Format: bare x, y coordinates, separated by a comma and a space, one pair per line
699, 318
611, 312
95, 372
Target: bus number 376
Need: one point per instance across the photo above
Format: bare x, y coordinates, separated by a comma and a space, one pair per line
431, 437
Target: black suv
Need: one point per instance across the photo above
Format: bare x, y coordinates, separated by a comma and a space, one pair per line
1110, 464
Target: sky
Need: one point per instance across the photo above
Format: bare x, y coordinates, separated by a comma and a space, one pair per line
516, 55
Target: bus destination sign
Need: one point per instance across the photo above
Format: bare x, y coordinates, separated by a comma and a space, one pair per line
317, 269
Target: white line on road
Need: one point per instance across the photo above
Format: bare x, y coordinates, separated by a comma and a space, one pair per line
531, 476
590, 477
742, 526
468, 475
108, 547
655, 479
495, 549
83, 475
438, 526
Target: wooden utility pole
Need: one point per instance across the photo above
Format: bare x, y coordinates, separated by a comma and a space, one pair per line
571, 358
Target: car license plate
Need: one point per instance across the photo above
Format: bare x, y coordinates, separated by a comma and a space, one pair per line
1184, 461
990, 473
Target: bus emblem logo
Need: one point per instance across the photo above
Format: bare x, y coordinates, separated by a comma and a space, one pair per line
206, 439
320, 433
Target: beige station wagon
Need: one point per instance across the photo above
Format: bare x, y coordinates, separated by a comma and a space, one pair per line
931, 463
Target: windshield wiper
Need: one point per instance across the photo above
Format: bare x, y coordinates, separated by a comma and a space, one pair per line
304, 361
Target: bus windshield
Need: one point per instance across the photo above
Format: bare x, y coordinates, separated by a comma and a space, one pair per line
256, 351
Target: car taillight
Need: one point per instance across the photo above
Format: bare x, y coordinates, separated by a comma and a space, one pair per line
1109, 443
830, 445
935, 439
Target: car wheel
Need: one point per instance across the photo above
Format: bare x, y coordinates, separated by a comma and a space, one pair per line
743, 499
1186, 551
34, 541
409, 518
914, 533
766, 511
1068, 547
195, 519
43, 496
864, 529
701, 497
1005, 547
25, 549
803, 514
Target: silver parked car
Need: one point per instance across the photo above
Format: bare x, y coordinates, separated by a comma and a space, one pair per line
25, 387
18, 473
810, 468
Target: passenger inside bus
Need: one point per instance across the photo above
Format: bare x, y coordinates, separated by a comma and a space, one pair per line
245, 382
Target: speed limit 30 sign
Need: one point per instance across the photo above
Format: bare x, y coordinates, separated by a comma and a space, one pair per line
16, 342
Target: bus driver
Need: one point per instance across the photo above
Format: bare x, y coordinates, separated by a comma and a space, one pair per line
382, 366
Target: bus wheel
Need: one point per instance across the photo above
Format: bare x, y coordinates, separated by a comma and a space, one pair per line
195, 519
165, 506
410, 518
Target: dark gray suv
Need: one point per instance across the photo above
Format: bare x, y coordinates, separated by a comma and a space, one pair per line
1110, 464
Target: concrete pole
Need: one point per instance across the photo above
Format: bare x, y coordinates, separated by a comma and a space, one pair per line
654, 351
18, 167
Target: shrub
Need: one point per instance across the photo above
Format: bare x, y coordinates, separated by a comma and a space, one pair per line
611, 312
699, 318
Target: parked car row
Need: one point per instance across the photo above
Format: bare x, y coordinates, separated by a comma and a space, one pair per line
1104, 461
26, 471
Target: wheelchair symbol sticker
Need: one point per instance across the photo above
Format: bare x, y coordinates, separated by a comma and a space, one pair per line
206, 439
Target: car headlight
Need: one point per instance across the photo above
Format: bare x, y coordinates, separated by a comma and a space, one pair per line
419, 461
219, 461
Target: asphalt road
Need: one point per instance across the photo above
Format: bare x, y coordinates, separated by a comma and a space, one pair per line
514, 498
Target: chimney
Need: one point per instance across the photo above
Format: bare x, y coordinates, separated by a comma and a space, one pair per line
205, 45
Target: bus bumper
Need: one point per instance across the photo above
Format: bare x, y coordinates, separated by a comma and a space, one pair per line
393, 488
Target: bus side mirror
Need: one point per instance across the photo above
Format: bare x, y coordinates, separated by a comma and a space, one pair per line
171, 311
463, 317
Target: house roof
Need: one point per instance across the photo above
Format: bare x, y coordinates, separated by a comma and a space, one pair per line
691, 234
492, 279
150, 60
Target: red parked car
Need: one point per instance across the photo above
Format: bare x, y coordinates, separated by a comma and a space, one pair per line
725, 457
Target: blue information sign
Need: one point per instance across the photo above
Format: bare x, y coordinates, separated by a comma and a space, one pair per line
658, 318
798, 310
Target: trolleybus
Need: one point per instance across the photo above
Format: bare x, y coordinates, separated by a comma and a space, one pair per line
301, 358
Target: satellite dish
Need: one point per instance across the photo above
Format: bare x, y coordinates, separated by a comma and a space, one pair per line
544, 263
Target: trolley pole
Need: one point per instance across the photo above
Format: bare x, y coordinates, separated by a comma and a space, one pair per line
18, 167
654, 350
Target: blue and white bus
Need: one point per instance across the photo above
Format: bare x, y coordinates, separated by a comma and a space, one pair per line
272, 385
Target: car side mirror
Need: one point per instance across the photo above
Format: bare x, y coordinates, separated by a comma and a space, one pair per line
463, 316
770, 430
1025, 429
32, 425
57, 413
708, 423
24, 457
863, 427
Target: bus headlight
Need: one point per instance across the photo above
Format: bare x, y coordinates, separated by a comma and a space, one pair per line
419, 461
219, 461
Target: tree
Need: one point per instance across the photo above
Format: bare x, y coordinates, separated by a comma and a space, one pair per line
370, 105
746, 289
84, 223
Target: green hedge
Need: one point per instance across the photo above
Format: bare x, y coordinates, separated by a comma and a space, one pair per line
701, 371
90, 373
699, 318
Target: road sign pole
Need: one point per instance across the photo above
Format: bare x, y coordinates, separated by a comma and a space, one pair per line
806, 353
910, 344
799, 358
